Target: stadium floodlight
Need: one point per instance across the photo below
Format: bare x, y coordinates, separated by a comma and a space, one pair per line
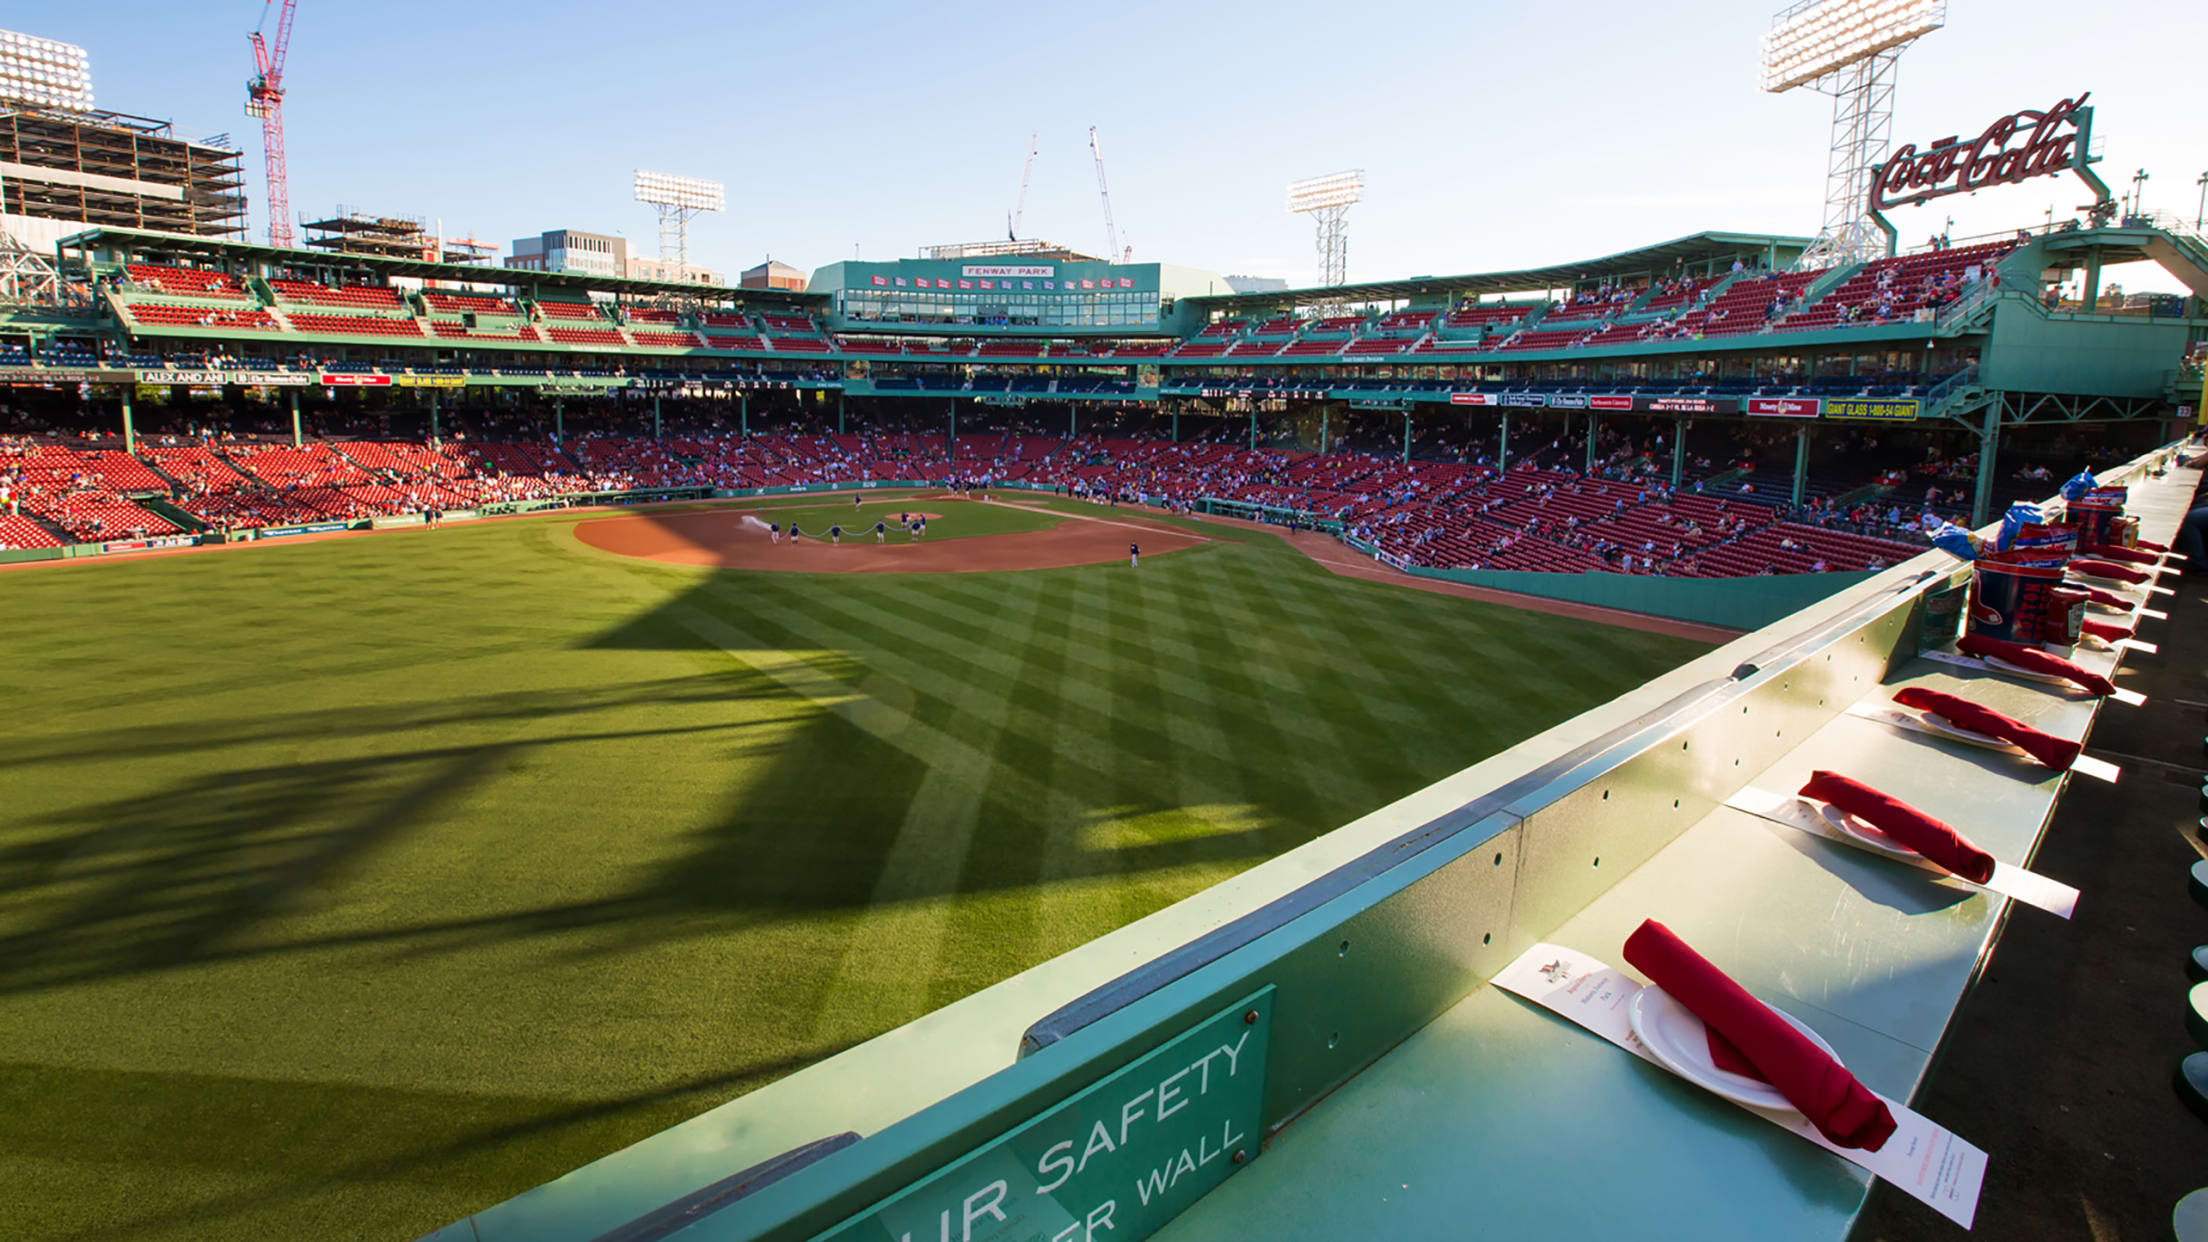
44, 72
1333, 190
668, 190
1848, 49
1327, 201
676, 199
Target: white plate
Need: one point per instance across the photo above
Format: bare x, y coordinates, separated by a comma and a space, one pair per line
2025, 673
2113, 583
2097, 606
1940, 724
1681, 1043
1863, 834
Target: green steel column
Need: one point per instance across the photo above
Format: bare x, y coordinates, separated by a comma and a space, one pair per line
559, 418
1406, 435
1502, 446
1678, 454
1071, 432
1590, 443
1253, 428
130, 433
1322, 430
839, 413
1989, 445
297, 440
1176, 425
2093, 280
433, 416
655, 416
1801, 463
953, 412
743, 414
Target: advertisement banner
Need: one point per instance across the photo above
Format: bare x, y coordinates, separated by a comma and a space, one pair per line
1691, 405
1782, 407
1471, 398
347, 379
1526, 400
390, 520
215, 379
430, 381
1874, 409
147, 545
26, 377
1558, 402
310, 528
1613, 402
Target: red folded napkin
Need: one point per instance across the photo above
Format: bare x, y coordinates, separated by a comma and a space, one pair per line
2032, 659
2107, 599
2106, 630
2110, 552
2151, 547
2053, 751
1843, 1110
1930, 837
2107, 569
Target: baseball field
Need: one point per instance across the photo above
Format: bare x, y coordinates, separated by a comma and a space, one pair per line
348, 886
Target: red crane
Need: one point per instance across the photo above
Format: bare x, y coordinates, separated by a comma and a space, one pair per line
264, 98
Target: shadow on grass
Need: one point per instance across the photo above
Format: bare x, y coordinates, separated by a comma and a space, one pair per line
497, 1145
201, 870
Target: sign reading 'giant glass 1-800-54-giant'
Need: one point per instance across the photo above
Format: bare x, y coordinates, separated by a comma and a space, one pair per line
1111, 1163
2051, 141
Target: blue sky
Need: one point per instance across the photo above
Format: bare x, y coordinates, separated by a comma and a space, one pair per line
1492, 136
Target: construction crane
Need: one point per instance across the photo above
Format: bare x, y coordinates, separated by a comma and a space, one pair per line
1019, 208
264, 98
1103, 191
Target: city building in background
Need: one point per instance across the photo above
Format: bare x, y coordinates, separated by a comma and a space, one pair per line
571, 250
600, 254
772, 274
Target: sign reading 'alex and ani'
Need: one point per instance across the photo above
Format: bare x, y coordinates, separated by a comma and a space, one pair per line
1113, 1163
2048, 142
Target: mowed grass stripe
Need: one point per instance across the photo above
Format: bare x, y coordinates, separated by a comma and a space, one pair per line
922, 869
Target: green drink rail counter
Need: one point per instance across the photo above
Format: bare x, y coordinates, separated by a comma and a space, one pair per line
1395, 1095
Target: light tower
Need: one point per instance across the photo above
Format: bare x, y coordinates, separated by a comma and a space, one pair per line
1848, 49
1327, 201
676, 199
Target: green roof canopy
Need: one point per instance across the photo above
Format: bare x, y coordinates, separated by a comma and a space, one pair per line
422, 269
1659, 259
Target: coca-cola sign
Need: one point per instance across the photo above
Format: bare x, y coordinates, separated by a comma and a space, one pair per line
2047, 142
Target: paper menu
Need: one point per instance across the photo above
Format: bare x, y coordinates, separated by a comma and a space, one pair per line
2029, 887
1924, 1160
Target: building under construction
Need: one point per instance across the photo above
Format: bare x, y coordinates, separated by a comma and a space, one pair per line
391, 237
66, 170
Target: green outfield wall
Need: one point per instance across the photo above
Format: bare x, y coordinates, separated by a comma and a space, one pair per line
1734, 603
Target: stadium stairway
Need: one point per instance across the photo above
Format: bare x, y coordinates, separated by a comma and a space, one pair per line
167, 509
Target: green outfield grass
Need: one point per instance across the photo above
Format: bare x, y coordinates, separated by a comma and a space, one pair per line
347, 887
